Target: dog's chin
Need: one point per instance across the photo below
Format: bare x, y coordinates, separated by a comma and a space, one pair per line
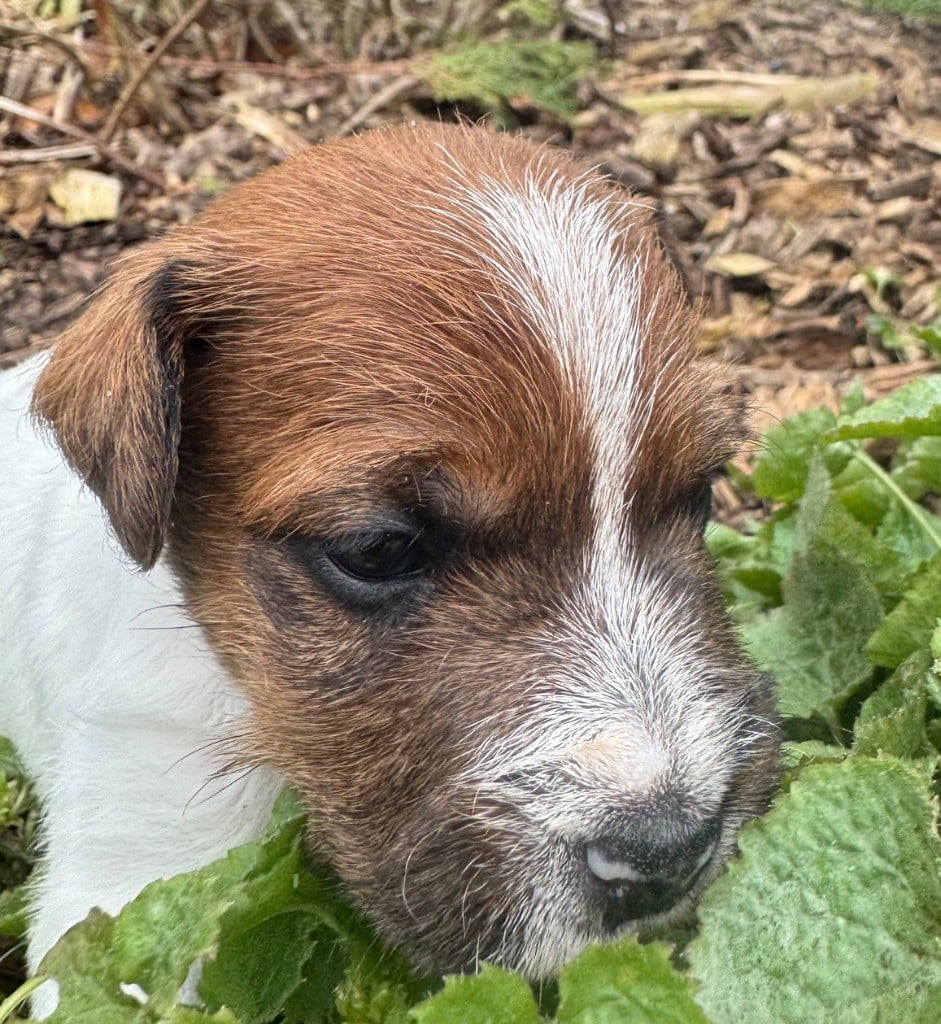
534, 926
550, 941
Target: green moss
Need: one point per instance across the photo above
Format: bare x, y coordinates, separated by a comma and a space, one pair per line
916, 8
493, 73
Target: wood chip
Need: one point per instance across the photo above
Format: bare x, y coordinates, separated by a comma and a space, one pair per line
739, 264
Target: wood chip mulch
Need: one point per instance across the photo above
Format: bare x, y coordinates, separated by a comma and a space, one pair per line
791, 149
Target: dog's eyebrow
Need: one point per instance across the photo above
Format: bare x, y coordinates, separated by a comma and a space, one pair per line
339, 495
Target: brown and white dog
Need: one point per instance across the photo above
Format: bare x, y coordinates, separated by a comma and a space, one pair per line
408, 438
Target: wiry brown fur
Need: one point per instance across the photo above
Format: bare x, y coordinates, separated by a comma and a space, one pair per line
322, 343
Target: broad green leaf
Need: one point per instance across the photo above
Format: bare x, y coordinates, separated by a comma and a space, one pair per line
92, 980
893, 719
156, 938
379, 986
906, 537
780, 472
750, 569
491, 997
916, 467
912, 411
806, 752
626, 983
365, 1001
824, 521
832, 914
814, 645
314, 998
188, 1015
909, 626
259, 969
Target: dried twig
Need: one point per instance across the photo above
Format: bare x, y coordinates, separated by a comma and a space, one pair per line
68, 151
34, 31
394, 90
104, 151
130, 90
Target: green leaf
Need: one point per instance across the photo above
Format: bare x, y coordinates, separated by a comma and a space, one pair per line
908, 627
86, 964
806, 752
814, 645
156, 938
906, 536
893, 719
780, 472
916, 467
930, 334
14, 912
6, 802
823, 521
257, 970
750, 567
626, 982
833, 912
912, 411
9, 762
491, 997
188, 1015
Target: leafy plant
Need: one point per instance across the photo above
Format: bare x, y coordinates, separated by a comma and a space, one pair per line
831, 913
17, 823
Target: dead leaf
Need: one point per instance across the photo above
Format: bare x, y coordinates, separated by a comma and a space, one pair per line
895, 209
652, 51
23, 197
86, 196
718, 223
924, 132
738, 264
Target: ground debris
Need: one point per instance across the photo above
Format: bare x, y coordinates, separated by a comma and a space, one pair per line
791, 150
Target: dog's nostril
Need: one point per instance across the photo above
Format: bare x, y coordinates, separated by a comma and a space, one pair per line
650, 866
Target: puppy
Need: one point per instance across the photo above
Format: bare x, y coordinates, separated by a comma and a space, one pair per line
408, 445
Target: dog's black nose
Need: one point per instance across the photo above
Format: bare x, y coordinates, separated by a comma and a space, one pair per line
650, 863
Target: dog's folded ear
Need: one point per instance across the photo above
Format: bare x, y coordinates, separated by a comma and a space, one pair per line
111, 395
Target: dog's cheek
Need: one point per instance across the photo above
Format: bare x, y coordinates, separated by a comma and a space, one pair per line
371, 722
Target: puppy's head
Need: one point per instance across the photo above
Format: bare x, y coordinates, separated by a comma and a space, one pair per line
417, 418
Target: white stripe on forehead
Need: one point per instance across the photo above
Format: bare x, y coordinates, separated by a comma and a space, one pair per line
557, 245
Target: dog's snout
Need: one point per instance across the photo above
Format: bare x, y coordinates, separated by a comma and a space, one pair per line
647, 865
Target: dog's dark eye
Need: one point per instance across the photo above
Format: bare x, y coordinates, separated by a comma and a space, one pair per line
388, 557
387, 569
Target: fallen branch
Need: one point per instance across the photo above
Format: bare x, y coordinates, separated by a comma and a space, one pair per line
130, 90
741, 99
